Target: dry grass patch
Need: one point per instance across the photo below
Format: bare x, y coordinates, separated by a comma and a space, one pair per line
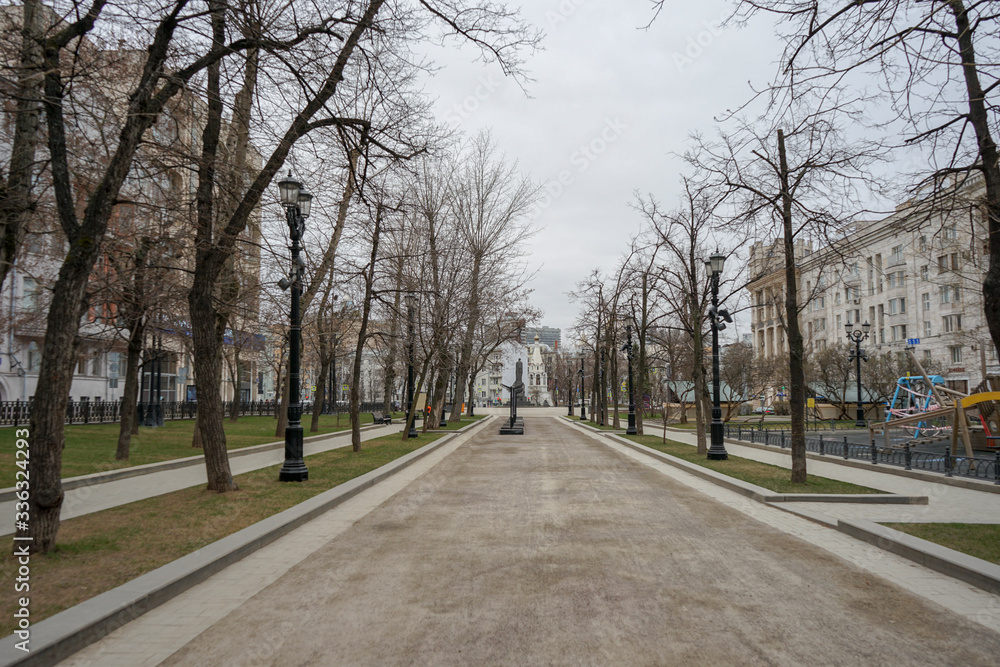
100, 551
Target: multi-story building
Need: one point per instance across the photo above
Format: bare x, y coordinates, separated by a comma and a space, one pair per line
156, 224
915, 277
547, 335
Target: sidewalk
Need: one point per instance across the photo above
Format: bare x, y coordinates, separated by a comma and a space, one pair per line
946, 503
97, 497
552, 548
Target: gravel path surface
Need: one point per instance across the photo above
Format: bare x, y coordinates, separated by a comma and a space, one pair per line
551, 548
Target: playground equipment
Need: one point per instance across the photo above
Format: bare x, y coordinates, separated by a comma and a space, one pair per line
924, 407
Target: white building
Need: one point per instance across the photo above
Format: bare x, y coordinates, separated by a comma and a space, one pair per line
915, 276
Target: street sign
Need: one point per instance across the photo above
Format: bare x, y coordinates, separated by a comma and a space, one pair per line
343, 387
913, 341
810, 402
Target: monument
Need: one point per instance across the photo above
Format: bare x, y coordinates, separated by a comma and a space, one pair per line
514, 425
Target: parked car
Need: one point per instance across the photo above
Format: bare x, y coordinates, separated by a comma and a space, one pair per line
767, 410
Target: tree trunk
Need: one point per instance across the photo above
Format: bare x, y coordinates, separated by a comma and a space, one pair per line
700, 389
465, 357
131, 391
15, 200
355, 396
979, 118
796, 351
234, 408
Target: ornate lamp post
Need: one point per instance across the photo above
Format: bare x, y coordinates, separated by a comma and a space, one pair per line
627, 349
856, 336
410, 416
583, 406
714, 265
297, 203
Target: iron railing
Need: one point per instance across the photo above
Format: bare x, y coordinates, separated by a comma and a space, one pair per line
15, 413
906, 457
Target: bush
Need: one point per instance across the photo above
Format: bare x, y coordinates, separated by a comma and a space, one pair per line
781, 408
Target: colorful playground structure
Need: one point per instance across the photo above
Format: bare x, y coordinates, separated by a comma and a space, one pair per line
927, 410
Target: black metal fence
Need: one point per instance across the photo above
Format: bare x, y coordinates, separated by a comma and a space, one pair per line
15, 413
905, 457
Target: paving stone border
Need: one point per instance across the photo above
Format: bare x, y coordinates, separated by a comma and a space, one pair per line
975, 571
759, 493
60, 636
8, 494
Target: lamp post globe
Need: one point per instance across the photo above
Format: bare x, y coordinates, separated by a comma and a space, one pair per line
856, 336
631, 430
717, 449
296, 203
411, 301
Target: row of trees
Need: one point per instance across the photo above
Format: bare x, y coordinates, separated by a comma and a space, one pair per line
151, 134
801, 160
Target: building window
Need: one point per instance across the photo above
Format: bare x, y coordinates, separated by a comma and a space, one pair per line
923, 243
95, 364
950, 293
924, 273
839, 322
927, 356
927, 328
951, 323
899, 332
897, 306
896, 256
951, 232
956, 353
34, 357
925, 298
897, 279
29, 294
836, 299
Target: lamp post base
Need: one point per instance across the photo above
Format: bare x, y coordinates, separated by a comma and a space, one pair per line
294, 468
631, 430
717, 450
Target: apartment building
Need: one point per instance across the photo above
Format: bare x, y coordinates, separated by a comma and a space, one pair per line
156, 224
914, 276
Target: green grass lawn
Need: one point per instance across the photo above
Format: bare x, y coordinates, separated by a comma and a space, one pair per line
975, 539
100, 551
771, 477
91, 448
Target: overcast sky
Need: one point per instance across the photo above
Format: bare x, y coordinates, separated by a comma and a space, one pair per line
609, 103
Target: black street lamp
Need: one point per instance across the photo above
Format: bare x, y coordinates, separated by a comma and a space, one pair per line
714, 265
410, 416
297, 203
627, 349
583, 406
856, 336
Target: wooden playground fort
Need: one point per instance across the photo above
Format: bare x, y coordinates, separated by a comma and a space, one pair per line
928, 411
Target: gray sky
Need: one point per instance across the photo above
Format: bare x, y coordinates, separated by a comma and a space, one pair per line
609, 103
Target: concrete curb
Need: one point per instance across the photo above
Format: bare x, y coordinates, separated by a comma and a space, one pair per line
149, 468
758, 493
60, 636
975, 571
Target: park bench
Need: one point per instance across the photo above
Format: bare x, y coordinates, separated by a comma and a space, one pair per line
379, 418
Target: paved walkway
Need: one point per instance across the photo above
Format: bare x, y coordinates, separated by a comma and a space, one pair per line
945, 503
97, 497
561, 547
